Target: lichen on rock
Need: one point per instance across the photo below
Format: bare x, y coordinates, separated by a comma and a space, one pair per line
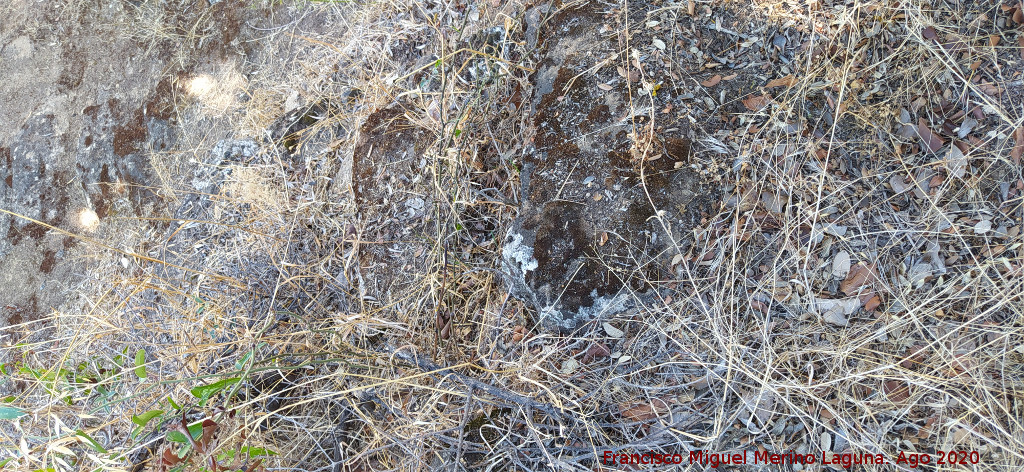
606, 196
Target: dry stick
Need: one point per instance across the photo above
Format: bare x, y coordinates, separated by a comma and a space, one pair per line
429, 367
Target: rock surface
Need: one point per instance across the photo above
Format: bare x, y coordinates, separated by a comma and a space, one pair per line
606, 193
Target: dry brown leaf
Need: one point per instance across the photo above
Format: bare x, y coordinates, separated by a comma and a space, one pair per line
896, 390
644, 411
169, 459
860, 275
1020, 43
961, 435
914, 357
993, 40
929, 33
713, 81
1018, 146
786, 81
638, 412
604, 87
990, 89
756, 103
596, 351
872, 303
602, 239
931, 140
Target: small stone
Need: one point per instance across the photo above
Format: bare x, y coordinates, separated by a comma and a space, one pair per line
779, 41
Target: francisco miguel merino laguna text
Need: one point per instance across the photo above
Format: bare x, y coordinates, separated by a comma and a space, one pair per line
715, 459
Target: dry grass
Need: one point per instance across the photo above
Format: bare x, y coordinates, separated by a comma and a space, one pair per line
260, 278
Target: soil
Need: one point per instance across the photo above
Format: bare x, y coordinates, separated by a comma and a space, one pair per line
86, 105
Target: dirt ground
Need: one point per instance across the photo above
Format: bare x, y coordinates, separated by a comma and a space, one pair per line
506, 235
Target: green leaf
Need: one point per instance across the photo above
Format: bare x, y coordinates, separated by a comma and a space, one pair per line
257, 451
240, 364
92, 442
140, 364
457, 132
145, 418
175, 405
195, 430
11, 413
204, 392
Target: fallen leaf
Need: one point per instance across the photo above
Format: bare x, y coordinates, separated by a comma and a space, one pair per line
914, 357
960, 435
786, 81
993, 40
434, 111
760, 405
931, 140
613, 331
713, 81
756, 103
1020, 44
643, 411
872, 303
1018, 146
983, 227
604, 87
596, 351
897, 184
835, 317
990, 89
860, 275
841, 264
896, 390
956, 162
658, 44
835, 310
929, 33
602, 239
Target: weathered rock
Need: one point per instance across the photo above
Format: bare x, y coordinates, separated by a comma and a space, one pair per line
595, 224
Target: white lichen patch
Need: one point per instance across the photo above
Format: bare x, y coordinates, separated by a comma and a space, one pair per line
515, 251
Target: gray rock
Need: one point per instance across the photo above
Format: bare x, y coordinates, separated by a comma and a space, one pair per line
595, 227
